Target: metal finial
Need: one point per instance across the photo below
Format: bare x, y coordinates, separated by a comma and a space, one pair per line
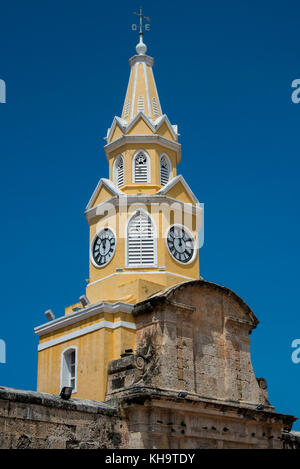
141, 48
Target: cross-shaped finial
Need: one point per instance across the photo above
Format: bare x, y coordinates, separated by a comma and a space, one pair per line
142, 17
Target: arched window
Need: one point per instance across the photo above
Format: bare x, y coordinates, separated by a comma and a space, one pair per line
141, 241
165, 169
141, 167
119, 171
69, 368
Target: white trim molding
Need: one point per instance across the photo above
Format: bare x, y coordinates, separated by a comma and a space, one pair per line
141, 58
133, 272
122, 123
175, 181
83, 313
149, 199
147, 91
136, 118
142, 139
154, 126
84, 331
134, 90
156, 90
109, 185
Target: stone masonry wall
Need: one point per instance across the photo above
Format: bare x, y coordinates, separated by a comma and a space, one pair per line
31, 420
145, 419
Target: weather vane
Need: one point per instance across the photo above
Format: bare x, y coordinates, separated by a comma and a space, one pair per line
145, 26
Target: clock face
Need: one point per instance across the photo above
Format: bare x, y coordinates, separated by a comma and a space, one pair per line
103, 247
181, 244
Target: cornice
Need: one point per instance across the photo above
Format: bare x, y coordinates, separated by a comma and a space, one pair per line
125, 139
141, 58
149, 199
83, 313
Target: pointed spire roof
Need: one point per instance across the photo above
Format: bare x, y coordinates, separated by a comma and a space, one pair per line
141, 95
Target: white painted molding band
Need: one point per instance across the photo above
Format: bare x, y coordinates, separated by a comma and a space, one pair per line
83, 313
141, 58
109, 185
173, 182
85, 330
157, 272
143, 199
165, 142
147, 91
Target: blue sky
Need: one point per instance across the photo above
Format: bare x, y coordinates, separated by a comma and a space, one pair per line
224, 73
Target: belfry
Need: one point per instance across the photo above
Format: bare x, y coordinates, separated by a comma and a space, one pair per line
144, 223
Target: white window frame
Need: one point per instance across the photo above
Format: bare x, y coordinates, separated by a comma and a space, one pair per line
148, 167
115, 175
141, 266
63, 383
164, 155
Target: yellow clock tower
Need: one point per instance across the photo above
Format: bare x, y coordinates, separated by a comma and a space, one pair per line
144, 223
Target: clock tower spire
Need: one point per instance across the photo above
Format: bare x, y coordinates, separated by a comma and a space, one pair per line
143, 223
141, 95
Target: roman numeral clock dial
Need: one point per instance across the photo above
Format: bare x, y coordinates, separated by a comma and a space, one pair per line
103, 247
181, 244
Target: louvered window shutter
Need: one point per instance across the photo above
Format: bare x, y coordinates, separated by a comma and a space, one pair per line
164, 171
126, 113
141, 168
119, 172
140, 241
155, 107
141, 104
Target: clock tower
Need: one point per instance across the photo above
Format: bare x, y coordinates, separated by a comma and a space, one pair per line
144, 222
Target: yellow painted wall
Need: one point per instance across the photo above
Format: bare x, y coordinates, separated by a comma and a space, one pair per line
165, 132
117, 133
163, 217
138, 71
152, 89
103, 195
129, 90
94, 351
179, 192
